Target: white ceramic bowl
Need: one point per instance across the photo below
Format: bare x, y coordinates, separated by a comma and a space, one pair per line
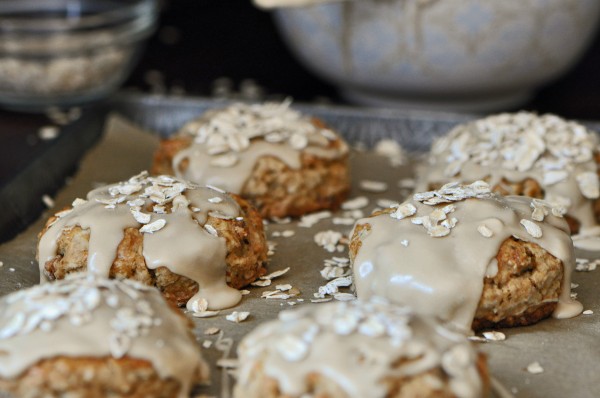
472, 55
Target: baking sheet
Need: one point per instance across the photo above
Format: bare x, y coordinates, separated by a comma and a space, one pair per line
568, 350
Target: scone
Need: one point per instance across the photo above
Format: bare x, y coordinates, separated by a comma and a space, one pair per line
545, 157
93, 337
359, 349
468, 256
284, 163
197, 245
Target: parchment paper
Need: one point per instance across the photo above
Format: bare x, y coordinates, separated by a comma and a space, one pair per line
568, 350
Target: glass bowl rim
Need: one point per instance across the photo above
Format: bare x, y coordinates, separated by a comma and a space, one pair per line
125, 11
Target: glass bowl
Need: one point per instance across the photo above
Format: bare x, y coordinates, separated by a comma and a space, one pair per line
57, 53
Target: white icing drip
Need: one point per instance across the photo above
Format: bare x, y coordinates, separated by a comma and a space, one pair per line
181, 244
231, 179
95, 317
228, 143
444, 276
492, 269
206, 266
356, 345
106, 232
588, 239
556, 153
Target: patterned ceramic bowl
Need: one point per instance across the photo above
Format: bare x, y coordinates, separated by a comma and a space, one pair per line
473, 55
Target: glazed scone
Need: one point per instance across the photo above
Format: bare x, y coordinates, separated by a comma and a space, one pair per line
284, 163
94, 337
468, 256
197, 245
545, 157
358, 349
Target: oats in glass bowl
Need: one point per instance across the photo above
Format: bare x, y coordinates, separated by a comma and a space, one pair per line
59, 53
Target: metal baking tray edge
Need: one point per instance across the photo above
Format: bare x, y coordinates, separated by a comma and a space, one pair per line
413, 129
21, 196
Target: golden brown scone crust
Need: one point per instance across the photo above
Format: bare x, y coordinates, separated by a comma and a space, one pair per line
322, 386
90, 378
528, 187
246, 256
273, 187
524, 291
531, 188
